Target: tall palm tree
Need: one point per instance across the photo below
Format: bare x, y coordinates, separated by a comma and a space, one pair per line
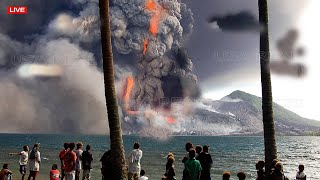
268, 122
117, 150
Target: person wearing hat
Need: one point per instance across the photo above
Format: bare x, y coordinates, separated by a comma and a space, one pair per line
206, 163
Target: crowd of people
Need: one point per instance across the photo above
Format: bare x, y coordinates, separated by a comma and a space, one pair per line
197, 165
72, 162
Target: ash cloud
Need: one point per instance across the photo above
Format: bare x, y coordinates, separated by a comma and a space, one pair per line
71, 103
74, 102
288, 51
165, 70
242, 21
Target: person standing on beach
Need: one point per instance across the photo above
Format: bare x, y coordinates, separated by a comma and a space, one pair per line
260, 170
78, 152
86, 159
69, 162
206, 163
23, 161
106, 165
198, 151
193, 166
61, 157
170, 170
134, 162
185, 174
34, 162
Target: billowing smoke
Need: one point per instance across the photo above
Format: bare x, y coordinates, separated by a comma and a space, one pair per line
242, 21
72, 99
49, 82
288, 52
152, 33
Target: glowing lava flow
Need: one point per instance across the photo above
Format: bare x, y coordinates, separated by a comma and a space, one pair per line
171, 120
145, 46
129, 86
156, 13
156, 10
148, 113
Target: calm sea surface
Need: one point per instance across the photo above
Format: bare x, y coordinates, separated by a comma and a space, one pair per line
229, 153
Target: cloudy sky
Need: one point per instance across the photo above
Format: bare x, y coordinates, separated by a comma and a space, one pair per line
226, 61
64, 33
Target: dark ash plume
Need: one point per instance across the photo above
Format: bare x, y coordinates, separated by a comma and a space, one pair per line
288, 51
165, 70
242, 21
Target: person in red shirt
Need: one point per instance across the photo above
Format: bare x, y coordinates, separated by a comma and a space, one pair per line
54, 172
61, 157
69, 162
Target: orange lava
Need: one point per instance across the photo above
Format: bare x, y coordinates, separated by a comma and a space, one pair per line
145, 46
128, 89
156, 11
171, 120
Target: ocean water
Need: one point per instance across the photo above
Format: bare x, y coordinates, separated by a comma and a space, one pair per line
229, 153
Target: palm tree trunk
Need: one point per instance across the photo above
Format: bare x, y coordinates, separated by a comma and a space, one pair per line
117, 150
268, 122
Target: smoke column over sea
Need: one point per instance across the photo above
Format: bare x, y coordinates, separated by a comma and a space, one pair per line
147, 40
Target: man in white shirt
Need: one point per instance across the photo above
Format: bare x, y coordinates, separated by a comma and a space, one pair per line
142, 175
134, 162
23, 161
300, 174
78, 152
34, 162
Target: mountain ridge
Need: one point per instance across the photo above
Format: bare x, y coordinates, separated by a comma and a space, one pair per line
238, 113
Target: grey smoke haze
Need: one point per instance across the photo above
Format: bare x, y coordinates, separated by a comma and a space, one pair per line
242, 21
71, 103
74, 102
288, 50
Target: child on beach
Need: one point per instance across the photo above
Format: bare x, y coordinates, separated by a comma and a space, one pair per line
300, 174
54, 172
5, 173
170, 170
23, 161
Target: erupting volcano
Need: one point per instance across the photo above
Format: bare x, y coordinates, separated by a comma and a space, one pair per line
151, 33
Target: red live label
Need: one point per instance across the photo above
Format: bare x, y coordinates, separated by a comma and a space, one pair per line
17, 10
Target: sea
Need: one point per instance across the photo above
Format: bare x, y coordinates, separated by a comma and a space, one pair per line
229, 153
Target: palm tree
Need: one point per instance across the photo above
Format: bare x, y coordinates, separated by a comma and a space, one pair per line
268, 122
117, 150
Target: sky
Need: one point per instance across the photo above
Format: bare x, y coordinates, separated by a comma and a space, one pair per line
55, 32
228, 61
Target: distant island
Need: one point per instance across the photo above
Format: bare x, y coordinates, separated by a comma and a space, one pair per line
240, 113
